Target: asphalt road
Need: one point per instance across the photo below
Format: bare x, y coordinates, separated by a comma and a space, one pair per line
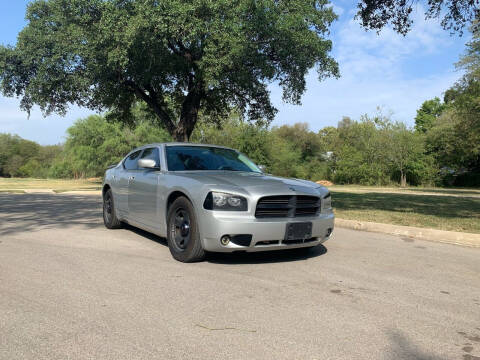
71, 289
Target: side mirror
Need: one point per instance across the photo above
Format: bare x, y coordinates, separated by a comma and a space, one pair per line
262, 167
147, 164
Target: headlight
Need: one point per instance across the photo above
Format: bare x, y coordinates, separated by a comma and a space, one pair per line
226, 202
327, 202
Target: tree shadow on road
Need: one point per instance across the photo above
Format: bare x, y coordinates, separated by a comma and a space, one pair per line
403, 348
32, 212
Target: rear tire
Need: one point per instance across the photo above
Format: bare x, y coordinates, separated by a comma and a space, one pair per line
182, 232
109, 215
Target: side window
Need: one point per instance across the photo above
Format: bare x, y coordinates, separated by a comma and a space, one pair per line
130, 162
151, 154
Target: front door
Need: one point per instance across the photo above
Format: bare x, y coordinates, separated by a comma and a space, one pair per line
124, 176
142, 191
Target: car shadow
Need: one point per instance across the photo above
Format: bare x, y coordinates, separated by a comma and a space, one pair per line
264, 257
158, 239
238, 258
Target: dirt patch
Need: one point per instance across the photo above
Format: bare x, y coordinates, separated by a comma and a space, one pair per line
324, 182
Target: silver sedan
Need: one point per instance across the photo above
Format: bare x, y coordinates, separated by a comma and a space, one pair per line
211, 198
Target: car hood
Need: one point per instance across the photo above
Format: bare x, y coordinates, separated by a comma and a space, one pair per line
254, 182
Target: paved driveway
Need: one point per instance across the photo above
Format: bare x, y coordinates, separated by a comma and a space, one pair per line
70, 289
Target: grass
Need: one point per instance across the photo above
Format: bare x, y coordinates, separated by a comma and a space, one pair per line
407, 190
459, 212
16, 184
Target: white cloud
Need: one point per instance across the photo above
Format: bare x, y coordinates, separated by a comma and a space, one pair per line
337, 9
358, 50
377, 70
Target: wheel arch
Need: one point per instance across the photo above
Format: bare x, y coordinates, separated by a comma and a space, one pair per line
105, 188
174, 195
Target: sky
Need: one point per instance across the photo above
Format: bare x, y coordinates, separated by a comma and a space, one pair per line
388, 70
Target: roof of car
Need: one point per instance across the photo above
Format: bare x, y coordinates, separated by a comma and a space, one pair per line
180, 144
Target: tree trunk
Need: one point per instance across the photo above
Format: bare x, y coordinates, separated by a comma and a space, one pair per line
188, 115
403, 179
185, 126
180, 133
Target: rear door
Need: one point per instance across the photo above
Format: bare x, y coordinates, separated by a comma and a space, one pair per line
129, 168
142, 191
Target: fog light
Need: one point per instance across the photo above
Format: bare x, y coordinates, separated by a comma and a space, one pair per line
225, 240
329, 232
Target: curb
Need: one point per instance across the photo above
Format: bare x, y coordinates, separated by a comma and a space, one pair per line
447, 237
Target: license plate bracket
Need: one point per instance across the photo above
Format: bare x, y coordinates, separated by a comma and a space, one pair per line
298, 231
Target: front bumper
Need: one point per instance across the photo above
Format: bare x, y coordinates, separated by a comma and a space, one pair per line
267, 234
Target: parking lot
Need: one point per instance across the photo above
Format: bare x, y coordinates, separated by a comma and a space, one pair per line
71, 289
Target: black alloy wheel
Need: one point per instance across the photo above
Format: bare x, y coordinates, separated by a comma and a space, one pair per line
109, 216
183, 236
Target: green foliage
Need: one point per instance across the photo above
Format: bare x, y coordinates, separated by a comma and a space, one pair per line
428, 114
19, 157
61, 168
358, 153
291, 151
377, 151
373, 150
248, 138
93, 144
442, 139
176, 56
297, 152
466, 104
406, 152
454, 137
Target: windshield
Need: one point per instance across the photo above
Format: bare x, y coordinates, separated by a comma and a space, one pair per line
180, 158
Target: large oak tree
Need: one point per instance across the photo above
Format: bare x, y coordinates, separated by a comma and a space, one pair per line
177, 56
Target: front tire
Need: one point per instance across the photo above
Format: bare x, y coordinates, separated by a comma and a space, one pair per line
183, 235
109, 215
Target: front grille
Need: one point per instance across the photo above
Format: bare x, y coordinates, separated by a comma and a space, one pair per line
287, 206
